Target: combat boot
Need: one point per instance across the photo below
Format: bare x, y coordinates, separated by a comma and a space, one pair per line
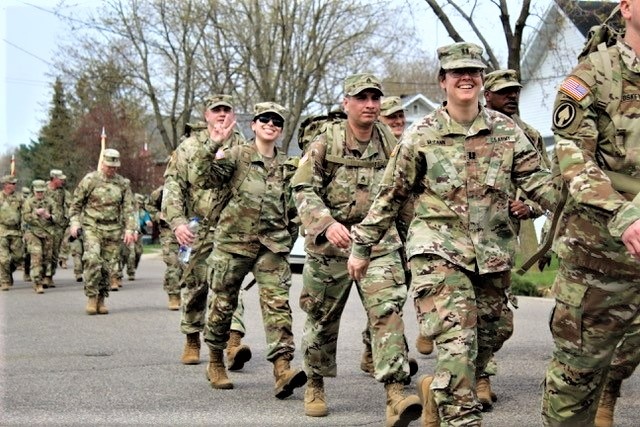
287, 379
315, 401
607, 403
174, 302
366, 363
37, 286
92, 306
424, 345
115, 284
237, 353
483, 391
5, 287
63, 264
100, 307
47, 282
191, 353
216, 373
26, 277
401, 409
430, 416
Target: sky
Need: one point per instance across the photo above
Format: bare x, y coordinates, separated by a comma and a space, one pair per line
30, 32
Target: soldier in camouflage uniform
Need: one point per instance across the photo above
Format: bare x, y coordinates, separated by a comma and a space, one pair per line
170, 247
26, 258
597, 288
57, 193
392, 114
334, 186
255, 233
103, 208
131, 254
461, 163
10, 231
182, 200
41, 216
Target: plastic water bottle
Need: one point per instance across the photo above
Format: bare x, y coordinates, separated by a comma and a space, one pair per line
184, 253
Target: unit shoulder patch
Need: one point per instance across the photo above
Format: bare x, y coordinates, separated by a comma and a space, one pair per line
563, 115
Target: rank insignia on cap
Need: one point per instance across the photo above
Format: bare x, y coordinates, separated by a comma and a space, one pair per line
574, 87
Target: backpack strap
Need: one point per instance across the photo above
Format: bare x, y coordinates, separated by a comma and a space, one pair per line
337, 147
244, 166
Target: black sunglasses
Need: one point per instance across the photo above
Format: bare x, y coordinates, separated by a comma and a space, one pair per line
274, 120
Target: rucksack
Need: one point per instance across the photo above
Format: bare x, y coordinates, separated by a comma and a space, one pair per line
312, 125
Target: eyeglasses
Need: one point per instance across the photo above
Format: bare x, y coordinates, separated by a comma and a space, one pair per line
459, 72
274, 120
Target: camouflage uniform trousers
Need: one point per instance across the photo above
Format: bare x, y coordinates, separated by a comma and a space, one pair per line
461, 311
41, 253
325, 290
626, 357
195, 289
130, 258
76, 254
65, 246
173, 271
593, 313
57, 235
504, 329
273, 277
10, 257
100, 259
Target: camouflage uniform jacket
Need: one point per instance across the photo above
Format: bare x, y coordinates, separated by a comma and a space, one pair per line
10, 214
462, 182
181, 199
327, 192
588, 141
61, 197
260, 210
34, 223
103, 203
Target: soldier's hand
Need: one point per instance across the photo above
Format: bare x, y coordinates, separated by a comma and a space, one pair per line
519, 209
544, 261
357, 267
184, 236
129, 238
338, 235
73, 231
631, 239
221, 131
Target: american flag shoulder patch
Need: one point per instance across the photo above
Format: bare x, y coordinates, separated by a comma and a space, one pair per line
575, 88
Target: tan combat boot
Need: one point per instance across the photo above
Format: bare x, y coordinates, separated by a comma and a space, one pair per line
38, 288
366, 362
100, 307
216, 373
237, 353
5, 287
430, 416
115, 284
607, 403
315, 401
174, 302
424, 345
401, 409
287, 379
48, 282
92, 306
483, 391
191, 353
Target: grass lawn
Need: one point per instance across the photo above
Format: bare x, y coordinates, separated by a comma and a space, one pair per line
534, 282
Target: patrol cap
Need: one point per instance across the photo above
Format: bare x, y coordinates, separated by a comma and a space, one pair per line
39, 185
111, 157
460, 55
57, 173
268, 107
213, 101
501, 79
356, 83
9, 179
390, 105
26, 191
140, 198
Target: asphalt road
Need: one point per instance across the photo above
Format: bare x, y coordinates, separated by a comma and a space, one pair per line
61, 367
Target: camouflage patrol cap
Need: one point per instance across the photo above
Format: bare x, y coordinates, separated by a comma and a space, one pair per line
57, 173
268, 107
390, 105
26, 191
213, 101
501, 79
356, 83
39, 185
111, 157
140, 198
460, 55
9, 179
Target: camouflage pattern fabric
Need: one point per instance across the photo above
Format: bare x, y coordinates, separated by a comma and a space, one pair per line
626, 356
255, 233
181, 200
461, 240
103, 207
593, 312
39, 235
326, 288
130, 257
597, 288
59, 196
173, 271
10, 236
76, 254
